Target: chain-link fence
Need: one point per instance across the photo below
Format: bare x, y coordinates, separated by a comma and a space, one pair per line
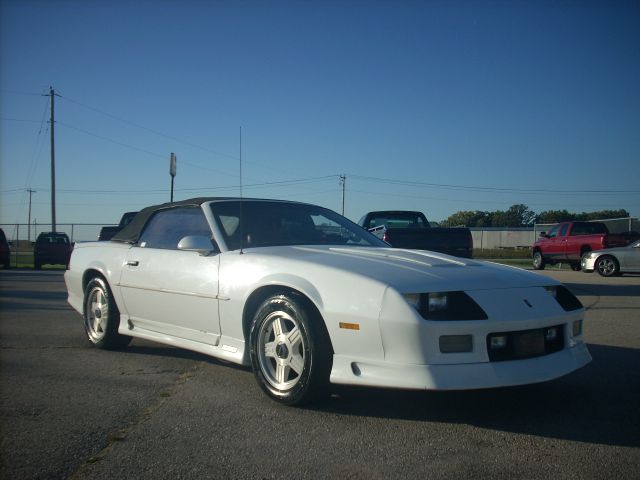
21, 237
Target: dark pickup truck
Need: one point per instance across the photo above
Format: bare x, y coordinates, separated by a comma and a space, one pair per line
411, 230
106, 233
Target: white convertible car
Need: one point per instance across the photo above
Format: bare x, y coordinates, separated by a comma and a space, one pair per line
308, 298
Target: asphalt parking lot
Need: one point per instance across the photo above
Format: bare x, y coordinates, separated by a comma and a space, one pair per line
71, 411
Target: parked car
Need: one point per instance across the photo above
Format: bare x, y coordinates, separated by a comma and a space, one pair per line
568, 242
307, 298
613, 261
106, 233
5, 251
406, 229
51, 248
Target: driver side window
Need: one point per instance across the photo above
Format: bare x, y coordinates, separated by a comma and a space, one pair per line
553, 232
167, 227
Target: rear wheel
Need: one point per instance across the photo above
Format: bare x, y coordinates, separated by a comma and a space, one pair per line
101, 317
290, 351
607, 266
538, 260
575, 267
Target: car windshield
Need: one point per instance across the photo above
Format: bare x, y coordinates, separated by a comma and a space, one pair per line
271, 223
53, 240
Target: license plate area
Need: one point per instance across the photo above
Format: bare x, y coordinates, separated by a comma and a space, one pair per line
528, 344
503, 346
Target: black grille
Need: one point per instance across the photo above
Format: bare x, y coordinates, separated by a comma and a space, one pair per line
526, 343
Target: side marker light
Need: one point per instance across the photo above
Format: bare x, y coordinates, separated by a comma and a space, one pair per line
349, 326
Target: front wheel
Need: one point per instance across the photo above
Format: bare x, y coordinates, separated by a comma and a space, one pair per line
607, 266
290, 351
101, 317
538, 260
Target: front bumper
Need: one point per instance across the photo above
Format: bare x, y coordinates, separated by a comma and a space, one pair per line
351, 371
588, 263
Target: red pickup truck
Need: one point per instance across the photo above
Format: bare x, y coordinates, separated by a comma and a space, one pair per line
567, 242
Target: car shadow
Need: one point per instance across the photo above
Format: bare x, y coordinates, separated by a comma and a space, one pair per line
597, 404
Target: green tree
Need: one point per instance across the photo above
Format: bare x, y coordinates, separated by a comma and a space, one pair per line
517, 216
467, 219
555, 216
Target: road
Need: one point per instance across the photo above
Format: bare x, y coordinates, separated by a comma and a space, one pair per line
72, 411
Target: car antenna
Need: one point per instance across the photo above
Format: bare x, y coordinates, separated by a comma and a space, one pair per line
240, 217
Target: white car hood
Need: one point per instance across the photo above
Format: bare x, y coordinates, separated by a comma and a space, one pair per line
405, 270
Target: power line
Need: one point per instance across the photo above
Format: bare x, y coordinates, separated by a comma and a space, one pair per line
17, 92
282, 183
148, 152
21, 120
411, 183
155, 132
86, 132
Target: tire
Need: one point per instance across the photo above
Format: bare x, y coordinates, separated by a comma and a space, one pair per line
576, 267
538, 260
101, 317
290, 351
607, 266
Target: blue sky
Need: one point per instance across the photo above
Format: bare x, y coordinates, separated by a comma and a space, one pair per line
434, 106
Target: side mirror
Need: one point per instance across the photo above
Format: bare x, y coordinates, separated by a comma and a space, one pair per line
196, 243
543, 234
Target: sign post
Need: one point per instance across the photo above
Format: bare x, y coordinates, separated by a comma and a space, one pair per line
172, 171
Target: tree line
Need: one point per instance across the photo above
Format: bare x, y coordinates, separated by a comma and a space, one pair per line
522, 216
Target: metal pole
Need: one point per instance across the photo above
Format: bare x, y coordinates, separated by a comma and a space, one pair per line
172, 171
29, 222
17, 244
343, 182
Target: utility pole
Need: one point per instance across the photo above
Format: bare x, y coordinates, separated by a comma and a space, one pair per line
52, 94
29, 222
343, 183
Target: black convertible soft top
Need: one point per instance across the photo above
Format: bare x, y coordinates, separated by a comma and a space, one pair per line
131, 233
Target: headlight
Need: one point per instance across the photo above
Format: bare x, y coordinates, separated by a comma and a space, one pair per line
445, 306
567, 300
413, 299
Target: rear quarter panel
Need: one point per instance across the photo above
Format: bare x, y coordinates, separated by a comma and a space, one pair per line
91, 259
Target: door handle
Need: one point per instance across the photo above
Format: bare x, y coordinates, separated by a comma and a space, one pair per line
133, 263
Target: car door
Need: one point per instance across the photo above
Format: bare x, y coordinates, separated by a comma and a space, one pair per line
629, 258
171, 291
564, 242
553, 244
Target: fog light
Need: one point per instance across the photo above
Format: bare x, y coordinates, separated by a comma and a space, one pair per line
577, 328
456, 343
498, 341
551, 334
